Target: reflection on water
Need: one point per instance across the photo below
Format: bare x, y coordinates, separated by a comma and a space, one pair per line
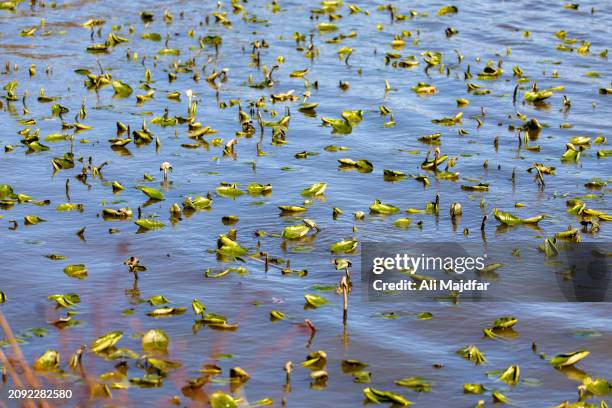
177, 256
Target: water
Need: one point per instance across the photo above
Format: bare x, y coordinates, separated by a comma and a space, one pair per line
177, 256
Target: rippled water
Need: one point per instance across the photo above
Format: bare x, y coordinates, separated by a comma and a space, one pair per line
177, 256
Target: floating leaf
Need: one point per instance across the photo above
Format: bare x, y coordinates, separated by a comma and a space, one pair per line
509, 219
498, 397
198, 203
32, 220
472, 353
346, 246
381, 397
229, 190
76, 271
49, 361
148, 223
220, 399
315, 300
382, 208
505, 322
106, 341
569, 359
66, 300
417, 384
473, 388
316, 189
117, 213
167, 311
424, 316
447, 10
291, 208
151, 192
598, 386
158, 300
151, 36
229, 247
121, 88
511, 376
572, 153
349, 366
198, 307
402, 222
238, 374
327, 27
256, 188
295, 231
277, 315
155, 340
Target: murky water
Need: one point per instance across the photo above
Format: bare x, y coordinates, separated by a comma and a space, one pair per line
178, 255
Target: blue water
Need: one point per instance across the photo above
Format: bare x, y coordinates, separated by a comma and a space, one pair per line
178, 255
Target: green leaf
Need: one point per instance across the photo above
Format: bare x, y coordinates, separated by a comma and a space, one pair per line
148, 223
505, 322
295, 231
121, 88
57, 137
362, 377
148, 381
315, 300
229, 190
155, 340
349, 366
500, 398
277, 315
152, 36
327, 27
423, 88
151, 192
198, 203
262, 403
472, 353
509, 219
78, 271
167, 311
598, 386
229, 247
382, 208
117, 213
106, 341
49, 361
380, 397
569, 359
32, 220
66, 300
447, 10
6, 191
316, 189
473, 388
511, 376
572, 154
198, 307
158, 300
239, 375
222, 400
346, 246
364, 166
291, 208
402, 222
256, 188
417, 384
